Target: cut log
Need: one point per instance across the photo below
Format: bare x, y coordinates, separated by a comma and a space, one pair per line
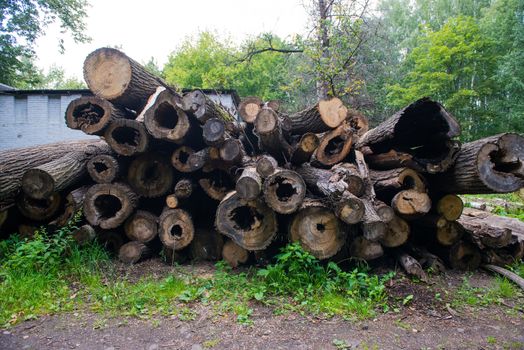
317, 229
206, 245
214, 132
484, 233
133, 252
249, 184
332, 183
199, 159
450, 207
305, 148
172, 201
269, 131
411, 265
250, 224
150, 175
176, 230
384, 211
92, 114
112, 75
232, 151
234, 254
364, 249
203, 108
349, 208
266, 165
184, 188
74, 202
84, 235
411, 204
450, 233
216, 184
180, 157
325, 115
127, 137
334, 146
392, 181
39, 209
142, 226
39, 182
397, 233
104, 168
494, 164
284, 191
249, 108
109, 205
373, 227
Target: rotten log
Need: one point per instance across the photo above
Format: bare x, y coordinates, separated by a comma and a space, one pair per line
216, 183
373, 227
384, 211
180, 157
411, 265
150, 175
271, 139
142, 226
92, 114
250, 224
112, 75
305, 148
175, 229
234, 254
39, 209
358, 122
324, 116
515, 225
334, 146
317, 229
232, 152
184, 188
484, 233
493, 164
74, 202
127, 137
104, 168
464, 256
389, 182
109, 205
284, 191
214, 132
133, 252
428, 260
204, 108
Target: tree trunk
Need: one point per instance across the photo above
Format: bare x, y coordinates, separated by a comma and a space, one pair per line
284, 191
104, 168
249, 108
266, 165
250, 224
133, 252
92, 114
39, 182
176, 230
249, 184
127, 137
324, 116
411, 204
317, 229
150, 175
180, 157
184, 188
39, 209
269, 131
305, 148
364, 249
109, 205
142, 226
334, 146
113, 76
494, 164
74, 203
234, 254
203, 108
206, 245
397, 233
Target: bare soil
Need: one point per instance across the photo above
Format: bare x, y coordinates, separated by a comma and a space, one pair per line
424, 323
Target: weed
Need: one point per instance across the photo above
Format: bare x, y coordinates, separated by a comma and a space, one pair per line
481, 297
491, 340
211, 343
340, 344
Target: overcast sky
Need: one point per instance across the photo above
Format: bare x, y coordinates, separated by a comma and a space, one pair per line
155, 28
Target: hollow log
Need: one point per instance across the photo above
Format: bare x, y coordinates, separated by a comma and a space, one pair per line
180, 157
305, 148
450, 207
203, 108
92, 114
176, 230
104, 168
284, 191
150, 175
15, 162
39, 209
142, 226
109, 205
234, 254
266, 165
133, 252
325, 115
249, 108
250, 224
216, 183
364, 249
334, 145
74, 202
39, 182
317, 229
397, 233
110, 74
206, 245
269, 130
127, 137
184, 188
411, 204
84, 235
249, 184
493, 164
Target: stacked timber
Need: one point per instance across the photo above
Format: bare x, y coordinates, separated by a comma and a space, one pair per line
182, 175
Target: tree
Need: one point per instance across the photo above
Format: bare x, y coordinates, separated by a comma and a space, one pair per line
57, 79
23, 21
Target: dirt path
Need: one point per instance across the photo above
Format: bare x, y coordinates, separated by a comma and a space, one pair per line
425, 323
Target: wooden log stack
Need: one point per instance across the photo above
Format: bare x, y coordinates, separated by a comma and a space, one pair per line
181, 174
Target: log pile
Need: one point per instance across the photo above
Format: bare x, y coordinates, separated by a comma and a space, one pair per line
182, 175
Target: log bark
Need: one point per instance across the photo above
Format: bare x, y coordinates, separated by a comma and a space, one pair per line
284, 191
317, 229
206, 245
39, 182
266, 165
411, 204
104, 168
142, 226
373, 227
305, 148
269, 131
15, 162
325, 115
203, 108
92, 114
395, 180
397, 233
84, 235
494, 164
133, 252
249, 184
334, 146
127, 137
249, 108
332, 183
234, 254
176, 230
113, 76
484, 233
74, 202
364, 249
250, 224
39, 209
180, 157
109, 205
150, 175
515, 225
184, 188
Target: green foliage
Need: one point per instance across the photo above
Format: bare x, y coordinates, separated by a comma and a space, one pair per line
57, 79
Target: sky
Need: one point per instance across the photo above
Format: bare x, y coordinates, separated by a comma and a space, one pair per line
155, 28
